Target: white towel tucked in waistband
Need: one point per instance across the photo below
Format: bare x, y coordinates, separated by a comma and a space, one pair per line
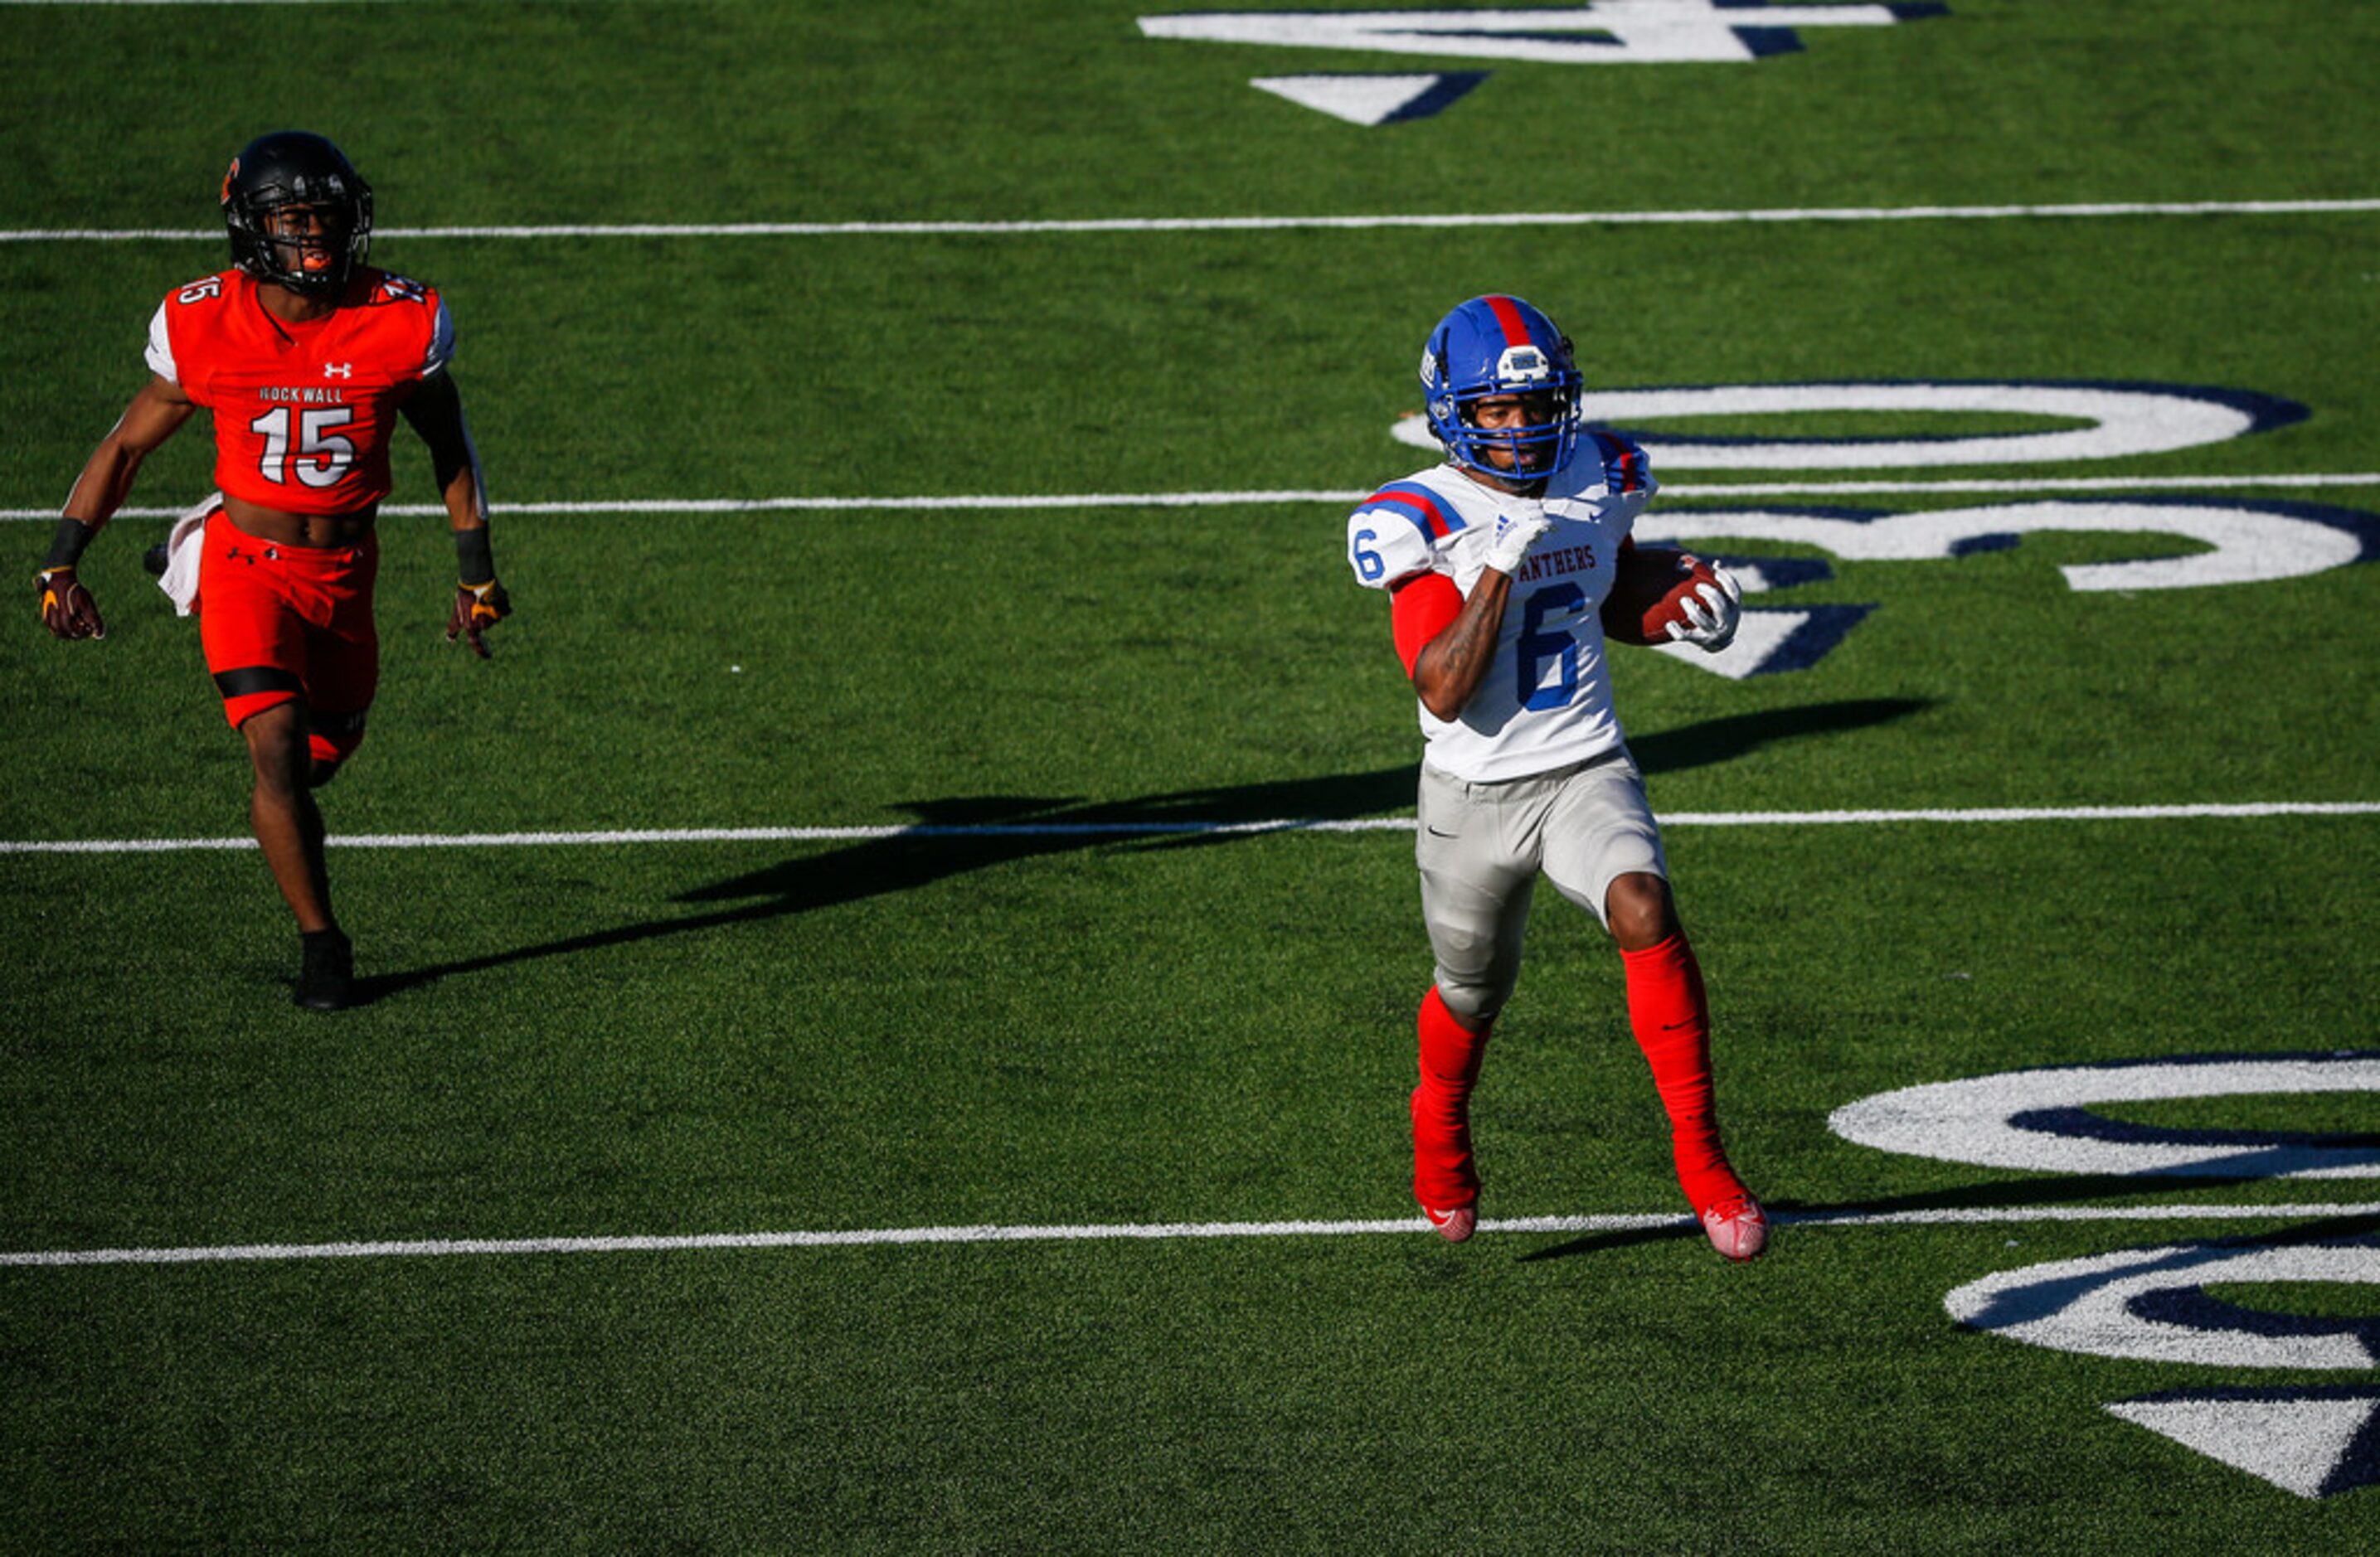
181, 576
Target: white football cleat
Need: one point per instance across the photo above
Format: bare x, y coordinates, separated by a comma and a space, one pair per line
1453, 1225
1737, 1227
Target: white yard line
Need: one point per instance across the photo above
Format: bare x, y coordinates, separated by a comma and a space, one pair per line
2002, 813
1154, 1231
1673, 491
1779, 214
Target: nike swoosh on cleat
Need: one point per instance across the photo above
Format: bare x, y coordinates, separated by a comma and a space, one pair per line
1453, 1225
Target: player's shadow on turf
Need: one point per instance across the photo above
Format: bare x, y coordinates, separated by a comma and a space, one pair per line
1791, 1216
956, 835
1715, 740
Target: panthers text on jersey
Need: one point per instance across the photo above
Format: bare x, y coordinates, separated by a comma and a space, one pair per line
302, 412
1547, 699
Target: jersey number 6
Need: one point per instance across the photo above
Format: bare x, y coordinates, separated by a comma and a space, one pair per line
1368, 564
1537, 645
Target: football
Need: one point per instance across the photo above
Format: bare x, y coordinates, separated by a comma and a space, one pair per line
1646, 595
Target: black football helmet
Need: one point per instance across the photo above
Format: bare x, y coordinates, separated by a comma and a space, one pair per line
289, 169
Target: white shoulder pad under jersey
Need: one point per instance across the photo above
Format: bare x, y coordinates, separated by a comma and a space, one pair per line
161, 349
1402, 529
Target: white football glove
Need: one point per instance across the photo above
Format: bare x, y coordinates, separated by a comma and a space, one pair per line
1711, 611
1515, 533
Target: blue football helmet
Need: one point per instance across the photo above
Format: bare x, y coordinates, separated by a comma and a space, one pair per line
1500, 345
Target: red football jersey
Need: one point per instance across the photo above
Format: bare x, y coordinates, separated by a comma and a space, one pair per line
302, 412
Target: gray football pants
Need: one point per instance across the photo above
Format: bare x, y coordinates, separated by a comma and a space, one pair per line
1481, 845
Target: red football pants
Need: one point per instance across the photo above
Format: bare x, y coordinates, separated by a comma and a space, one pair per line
291, 624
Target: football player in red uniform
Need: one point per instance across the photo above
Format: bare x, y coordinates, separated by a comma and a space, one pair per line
305, 356
1498, 563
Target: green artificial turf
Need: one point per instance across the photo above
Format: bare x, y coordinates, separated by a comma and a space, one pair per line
1100, 1022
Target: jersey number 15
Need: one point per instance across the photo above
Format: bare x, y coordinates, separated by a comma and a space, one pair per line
323, 455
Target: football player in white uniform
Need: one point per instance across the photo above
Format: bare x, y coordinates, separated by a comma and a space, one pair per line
1497, 563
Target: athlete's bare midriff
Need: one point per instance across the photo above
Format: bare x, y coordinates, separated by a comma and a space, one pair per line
282, 529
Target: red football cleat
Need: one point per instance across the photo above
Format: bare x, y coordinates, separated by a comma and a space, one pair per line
1453, 1225
1737, 1226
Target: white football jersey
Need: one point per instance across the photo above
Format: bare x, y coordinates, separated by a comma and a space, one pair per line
1547, 699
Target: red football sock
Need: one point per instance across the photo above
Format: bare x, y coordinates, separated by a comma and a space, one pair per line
1443, 1176
1667, 1007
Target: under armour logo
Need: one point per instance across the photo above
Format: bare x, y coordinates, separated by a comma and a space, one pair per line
338, 370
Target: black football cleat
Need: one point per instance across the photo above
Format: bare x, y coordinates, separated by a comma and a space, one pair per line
154, 559
326, 980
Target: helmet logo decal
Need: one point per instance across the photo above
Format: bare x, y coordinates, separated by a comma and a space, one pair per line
1523, 365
